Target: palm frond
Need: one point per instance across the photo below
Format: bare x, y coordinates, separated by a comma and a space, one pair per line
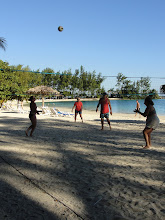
3, 43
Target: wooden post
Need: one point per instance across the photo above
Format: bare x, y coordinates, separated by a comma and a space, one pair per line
42, 100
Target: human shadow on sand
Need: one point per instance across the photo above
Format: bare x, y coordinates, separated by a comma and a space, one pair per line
74, 162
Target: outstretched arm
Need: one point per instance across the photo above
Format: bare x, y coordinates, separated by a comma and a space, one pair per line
145, 113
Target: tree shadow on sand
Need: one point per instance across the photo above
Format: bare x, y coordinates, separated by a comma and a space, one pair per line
97, 174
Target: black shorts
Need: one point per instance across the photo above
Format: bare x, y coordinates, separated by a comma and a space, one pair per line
78, 112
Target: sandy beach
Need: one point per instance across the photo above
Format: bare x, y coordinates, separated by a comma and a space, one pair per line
74, 171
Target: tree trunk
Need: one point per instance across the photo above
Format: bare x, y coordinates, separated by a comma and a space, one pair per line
42, 100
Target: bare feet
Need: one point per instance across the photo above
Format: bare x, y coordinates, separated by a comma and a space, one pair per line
26, 133
146, 147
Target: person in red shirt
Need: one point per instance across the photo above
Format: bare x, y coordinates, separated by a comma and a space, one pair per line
78, 109
104, 113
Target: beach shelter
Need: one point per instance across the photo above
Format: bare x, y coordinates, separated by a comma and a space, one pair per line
43, 90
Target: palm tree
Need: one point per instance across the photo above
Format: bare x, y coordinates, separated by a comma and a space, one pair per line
3, 43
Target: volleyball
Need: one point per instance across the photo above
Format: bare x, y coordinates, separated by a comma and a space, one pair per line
60, 28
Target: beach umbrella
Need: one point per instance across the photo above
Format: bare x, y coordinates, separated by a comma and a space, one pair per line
42, 90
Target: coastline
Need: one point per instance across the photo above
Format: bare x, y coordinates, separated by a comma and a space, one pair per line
74, 100
90, 115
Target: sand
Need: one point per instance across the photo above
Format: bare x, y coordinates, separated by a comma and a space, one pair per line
73, 171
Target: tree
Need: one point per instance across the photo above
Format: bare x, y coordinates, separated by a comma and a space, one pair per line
131, 90
145, 84
120, 80
89, 83
3, 43
162, 89
47, 79
16, 80
4, 82
64, 82
21, 80
75, 83
154, 94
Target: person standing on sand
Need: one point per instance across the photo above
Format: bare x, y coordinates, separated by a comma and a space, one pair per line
152, 121
137, 107
78, 109
104, 113
32, 116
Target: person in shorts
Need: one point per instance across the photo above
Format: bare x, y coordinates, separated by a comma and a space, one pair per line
104, 113
152, 120
137, 107
78, 108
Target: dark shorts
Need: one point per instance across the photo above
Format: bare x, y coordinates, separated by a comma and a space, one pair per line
106, 115
78, 112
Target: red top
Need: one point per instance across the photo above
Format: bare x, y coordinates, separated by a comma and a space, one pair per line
78, 106
104, 106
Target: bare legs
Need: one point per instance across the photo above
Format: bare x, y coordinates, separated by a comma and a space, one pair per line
75, 117
33, 126
102, 123
147, 137
80, 117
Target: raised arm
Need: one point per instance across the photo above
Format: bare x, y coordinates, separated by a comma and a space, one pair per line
145, 113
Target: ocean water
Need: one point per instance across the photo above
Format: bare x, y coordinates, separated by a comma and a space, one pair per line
118, 106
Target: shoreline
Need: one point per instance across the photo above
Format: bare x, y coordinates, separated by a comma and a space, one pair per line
73, 100
91, 114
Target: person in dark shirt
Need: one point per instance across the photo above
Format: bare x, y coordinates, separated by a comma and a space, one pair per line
152, 121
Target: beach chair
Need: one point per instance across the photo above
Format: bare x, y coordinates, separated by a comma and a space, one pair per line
7, 107
3, 107
64, 113
20, 109
45, 111
54, 112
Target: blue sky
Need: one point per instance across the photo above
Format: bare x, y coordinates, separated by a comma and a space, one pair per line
108, 36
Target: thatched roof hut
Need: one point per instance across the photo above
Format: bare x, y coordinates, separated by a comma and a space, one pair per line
43, 90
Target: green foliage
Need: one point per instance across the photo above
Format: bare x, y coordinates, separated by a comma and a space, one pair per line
162, 89
134, 90
154, 94
14, 84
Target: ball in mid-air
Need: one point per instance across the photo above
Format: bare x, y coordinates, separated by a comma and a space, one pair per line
60, 28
